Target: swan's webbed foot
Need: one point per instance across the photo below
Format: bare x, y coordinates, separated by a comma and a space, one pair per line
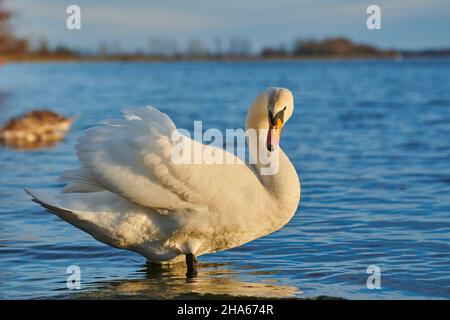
191, 264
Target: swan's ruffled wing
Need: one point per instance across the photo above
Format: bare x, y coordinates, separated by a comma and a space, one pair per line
132, 158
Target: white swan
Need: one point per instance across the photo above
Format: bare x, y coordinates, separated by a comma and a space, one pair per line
129, 194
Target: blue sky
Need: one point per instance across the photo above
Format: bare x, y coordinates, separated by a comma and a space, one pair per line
409, 24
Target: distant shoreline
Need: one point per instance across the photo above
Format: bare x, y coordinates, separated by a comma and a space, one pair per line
335, 48
133, 58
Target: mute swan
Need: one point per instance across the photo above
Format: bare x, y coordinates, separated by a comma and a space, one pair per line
129, 194
38, 127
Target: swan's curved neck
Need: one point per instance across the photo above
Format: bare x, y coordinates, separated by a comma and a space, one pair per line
275, 170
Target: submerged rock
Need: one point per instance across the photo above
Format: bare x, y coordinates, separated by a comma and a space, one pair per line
35, 128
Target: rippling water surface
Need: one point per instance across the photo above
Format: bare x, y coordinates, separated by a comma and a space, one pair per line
370, 140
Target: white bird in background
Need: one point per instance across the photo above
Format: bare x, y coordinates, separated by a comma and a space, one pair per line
129, 194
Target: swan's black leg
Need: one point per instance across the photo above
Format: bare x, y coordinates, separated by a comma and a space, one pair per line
191, 264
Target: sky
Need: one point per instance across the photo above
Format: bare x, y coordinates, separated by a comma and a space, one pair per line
406, 24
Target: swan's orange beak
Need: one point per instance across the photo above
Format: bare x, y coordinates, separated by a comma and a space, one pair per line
273, 136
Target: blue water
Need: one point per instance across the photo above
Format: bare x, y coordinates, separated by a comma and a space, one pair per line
370, 140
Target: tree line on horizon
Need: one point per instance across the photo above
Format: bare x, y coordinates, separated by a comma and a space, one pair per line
161, 48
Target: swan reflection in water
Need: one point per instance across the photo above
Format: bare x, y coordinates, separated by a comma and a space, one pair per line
170, 282
30, 146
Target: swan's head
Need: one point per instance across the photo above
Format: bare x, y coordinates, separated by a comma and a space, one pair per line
271, 110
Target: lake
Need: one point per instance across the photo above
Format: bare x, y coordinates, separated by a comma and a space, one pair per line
369, 139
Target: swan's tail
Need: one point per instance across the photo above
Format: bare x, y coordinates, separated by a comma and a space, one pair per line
47, 202
76, 210
97, 213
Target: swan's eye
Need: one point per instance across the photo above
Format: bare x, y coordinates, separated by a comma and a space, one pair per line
284, 108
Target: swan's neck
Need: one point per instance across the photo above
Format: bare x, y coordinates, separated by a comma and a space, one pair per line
279, 177
284, 185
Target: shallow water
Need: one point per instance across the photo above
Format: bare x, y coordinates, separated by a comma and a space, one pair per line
370, 140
